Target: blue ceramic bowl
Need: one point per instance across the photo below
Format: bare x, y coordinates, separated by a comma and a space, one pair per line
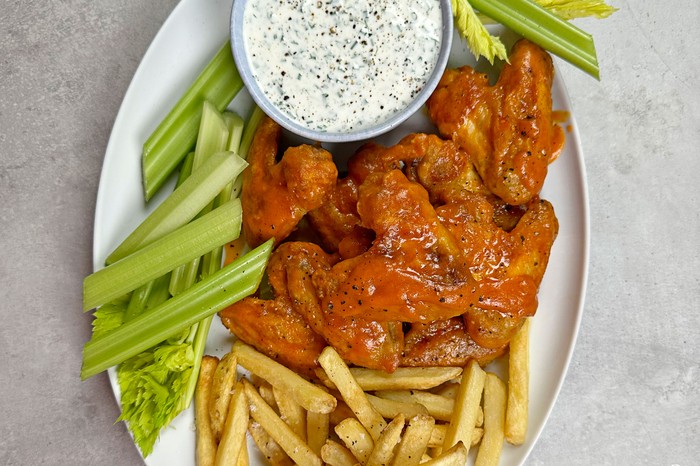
391, 122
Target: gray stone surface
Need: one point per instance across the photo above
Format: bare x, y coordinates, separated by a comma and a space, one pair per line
632, 394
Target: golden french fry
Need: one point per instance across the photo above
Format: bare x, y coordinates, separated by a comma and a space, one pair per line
356, 438
206, 443
437, 436
356, 399
518, 386
278, 430
390, 408
455, 456
334, 454
383, 450
267, 392
466, 407
477, 435
302, 391
221, 393
480, 417
437, 406
233, 436
267, 446
414, 442
448, 390
340, 413
291, 412
243, 458
404, 378
317, 430
494, 419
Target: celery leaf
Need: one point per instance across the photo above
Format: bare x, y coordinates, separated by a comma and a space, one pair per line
480, 42
570, 9
153, 385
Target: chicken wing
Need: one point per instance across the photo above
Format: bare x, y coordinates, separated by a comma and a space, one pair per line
415, 270
366, 343
276, 196
499, 256
444, 343
507, 129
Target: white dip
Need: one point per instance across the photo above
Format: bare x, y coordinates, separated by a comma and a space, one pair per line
342, 65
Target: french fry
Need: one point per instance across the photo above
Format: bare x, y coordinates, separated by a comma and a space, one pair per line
448, 390
268, 393
233, 436
205, 453
243, 458
404, 378
466, 407
317, 430
390, 408
334, 454
455, 456
414, 442
340, 413
494, 419
518, 386
356, 438
291, 412
280, 432
437, 436
221, 393
267, 446
302, 391
383, 450
436, 405
356, 399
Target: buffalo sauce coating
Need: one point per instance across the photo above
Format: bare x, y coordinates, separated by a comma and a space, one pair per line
507, 128
276, 195
415, 269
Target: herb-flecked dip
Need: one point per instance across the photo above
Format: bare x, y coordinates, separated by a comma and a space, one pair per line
342, 65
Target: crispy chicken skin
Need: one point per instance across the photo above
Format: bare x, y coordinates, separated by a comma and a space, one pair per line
507, 129
293, 329
367, 343
276, 196
494, 254
415, 270
444, 343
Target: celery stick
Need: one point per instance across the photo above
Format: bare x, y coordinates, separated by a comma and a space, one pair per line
175, 136
184, 203
253, 122
212, 136
138, 300
235, 124
545, 29
230, 284
184, 244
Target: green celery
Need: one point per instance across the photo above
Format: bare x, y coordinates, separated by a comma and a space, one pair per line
175, 136
235, 124
212, 136
184, 203
571, 9
545, 29
150, 262
206, 298
253, 122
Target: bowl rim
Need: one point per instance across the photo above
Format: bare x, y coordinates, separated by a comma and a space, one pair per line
241, 59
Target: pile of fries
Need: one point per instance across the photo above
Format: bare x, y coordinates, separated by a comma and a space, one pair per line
355, 416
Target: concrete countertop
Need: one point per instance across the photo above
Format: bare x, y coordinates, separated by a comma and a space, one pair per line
632, 394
